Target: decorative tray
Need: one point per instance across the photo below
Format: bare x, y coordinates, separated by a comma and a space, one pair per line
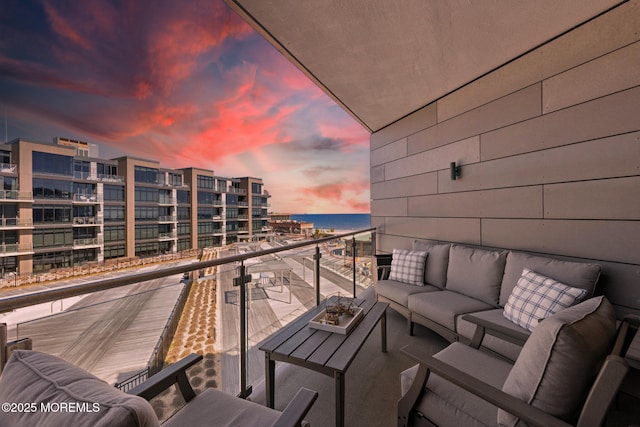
346, 321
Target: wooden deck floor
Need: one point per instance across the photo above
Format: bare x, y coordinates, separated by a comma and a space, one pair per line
111, 333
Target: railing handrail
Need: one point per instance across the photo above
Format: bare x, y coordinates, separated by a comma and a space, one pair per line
48, 295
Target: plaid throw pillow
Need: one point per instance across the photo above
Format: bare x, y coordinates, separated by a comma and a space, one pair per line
408, 266
537, 297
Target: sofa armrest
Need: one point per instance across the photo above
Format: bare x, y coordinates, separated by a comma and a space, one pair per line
497, 397
175, 373
484, 326
383, 261
297, 409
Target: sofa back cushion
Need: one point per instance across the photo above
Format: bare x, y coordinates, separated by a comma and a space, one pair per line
435, 272
560, 360
476, 273
43, 379
574, 274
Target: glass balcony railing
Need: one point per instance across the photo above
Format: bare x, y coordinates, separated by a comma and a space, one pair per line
222, 304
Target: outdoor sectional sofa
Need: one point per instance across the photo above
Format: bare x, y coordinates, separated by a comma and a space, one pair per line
459, 287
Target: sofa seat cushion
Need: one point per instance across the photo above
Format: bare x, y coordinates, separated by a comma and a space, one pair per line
399, 291
408, 266
476, 273
435, 272
447, 404
443, 307
505, 348
44, 379
561, 358
537, 297
575, 274
225, 409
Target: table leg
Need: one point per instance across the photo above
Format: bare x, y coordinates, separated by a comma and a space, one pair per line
339, 399
270, 371
383, 331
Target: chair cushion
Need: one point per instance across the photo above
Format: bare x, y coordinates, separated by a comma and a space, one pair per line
574, 274
435, 272
561, 358
408, 267
476, 273
537, 297
33, 377
446, 404
226, 410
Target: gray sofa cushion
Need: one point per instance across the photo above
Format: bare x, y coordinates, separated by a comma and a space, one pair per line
30, 376
443, 307
476, 273
399, 291
225, 409
500, 346
435, 272
575, 274
447, 404
561, 358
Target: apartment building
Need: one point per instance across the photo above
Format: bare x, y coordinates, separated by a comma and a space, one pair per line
61, 205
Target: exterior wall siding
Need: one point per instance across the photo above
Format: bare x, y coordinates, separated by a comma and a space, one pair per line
549, 146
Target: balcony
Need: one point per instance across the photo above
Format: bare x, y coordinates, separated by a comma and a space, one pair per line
8, 168
142, 309
90, 242
79, 198
168, 218
86, 220
168, 236
21, 196
15, 223
13, 249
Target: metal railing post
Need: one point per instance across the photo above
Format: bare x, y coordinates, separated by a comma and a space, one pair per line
353, 263
241, 281
316, 273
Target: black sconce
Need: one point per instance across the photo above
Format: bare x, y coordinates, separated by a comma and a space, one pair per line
455, 171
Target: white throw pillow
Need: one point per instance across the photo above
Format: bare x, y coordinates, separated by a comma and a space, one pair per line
537, 297
408, 266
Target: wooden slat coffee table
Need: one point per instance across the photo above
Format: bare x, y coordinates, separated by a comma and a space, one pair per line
325, 352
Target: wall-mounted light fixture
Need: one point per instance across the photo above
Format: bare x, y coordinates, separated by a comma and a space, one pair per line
455, 171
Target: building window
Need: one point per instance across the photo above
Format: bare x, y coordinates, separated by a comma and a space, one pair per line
43, 214
183, 196
114, 233
205, 242
54, 164
184, 244
113, 193
205, 198
8, 264
145, 194
146, 249
49, 260
184, 229
51, 189
146, 213
116, 251
114, 214
205, 182
184, 213
47, 237
104, 169
146, 232
145, 175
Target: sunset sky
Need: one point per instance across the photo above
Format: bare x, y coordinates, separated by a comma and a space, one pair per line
184, 82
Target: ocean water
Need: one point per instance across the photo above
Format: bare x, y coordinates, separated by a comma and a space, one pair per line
347, 222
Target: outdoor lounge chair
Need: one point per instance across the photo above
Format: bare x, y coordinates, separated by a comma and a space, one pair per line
568, 373
47, 390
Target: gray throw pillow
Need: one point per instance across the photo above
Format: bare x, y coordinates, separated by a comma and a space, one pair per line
560, 360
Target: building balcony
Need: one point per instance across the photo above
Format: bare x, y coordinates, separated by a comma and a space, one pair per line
86, 220
90, 242
8, 168
15, 223
243, 217
13, 249
86, 198
168, 236
13, 195
168, 218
